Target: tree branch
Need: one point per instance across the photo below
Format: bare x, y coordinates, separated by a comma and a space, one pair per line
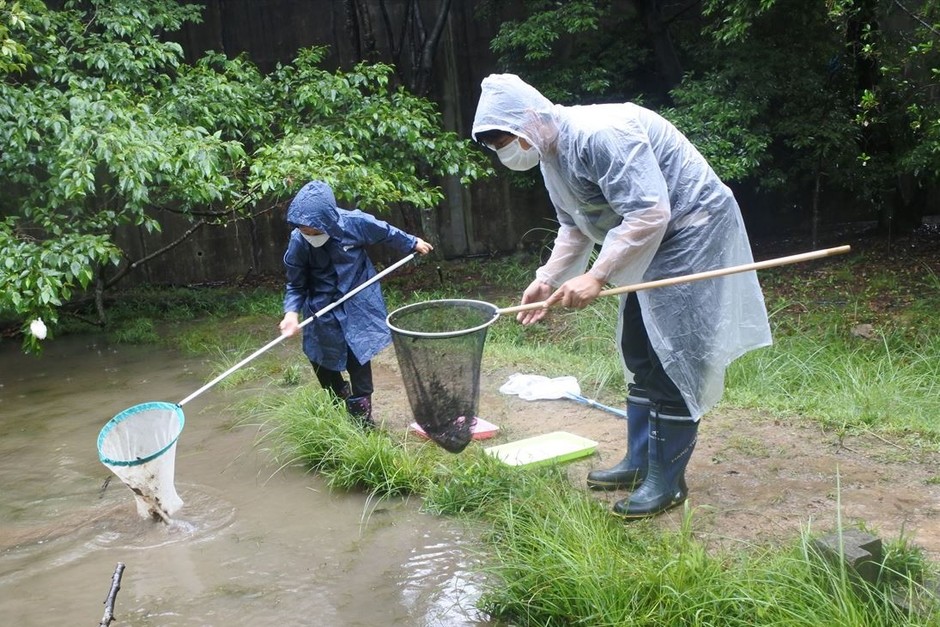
918, 19
426, 62
112, 596
196, 213
124, 271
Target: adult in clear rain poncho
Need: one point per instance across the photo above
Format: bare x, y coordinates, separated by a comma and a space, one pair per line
623, 177
325, 259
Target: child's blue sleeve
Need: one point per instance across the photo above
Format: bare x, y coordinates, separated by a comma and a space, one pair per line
375, 231
295, 266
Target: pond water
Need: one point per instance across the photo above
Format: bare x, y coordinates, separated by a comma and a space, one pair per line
253, 544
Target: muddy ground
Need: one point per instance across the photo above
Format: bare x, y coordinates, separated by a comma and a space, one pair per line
753, 479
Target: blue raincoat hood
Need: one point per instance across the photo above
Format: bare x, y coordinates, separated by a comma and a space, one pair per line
315, 206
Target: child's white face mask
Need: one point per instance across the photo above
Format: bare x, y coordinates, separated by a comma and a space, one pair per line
515, 157
316, 240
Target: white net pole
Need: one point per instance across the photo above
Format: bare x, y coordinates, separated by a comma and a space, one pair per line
281, 338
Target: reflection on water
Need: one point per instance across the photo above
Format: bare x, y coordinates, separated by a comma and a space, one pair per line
251, 545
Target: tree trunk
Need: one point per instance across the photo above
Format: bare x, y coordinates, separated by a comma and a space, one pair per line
99, 298
658, 30
425, 65
814, 228
359, 27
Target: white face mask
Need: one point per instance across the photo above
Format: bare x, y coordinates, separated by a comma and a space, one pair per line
316, 240
515, 157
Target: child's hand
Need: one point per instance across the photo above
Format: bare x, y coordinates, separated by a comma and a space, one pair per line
423, 247
290, 324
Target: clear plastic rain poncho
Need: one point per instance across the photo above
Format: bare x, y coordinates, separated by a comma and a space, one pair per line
624, 177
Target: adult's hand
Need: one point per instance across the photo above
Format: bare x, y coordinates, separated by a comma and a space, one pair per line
576, 293
536, 292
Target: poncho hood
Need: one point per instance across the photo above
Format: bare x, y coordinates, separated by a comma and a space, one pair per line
315, 206
507, 103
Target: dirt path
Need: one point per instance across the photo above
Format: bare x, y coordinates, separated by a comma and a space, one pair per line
752, 479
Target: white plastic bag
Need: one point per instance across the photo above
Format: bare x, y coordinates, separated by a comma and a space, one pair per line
534, 387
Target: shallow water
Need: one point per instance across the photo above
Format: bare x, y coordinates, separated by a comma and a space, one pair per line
253, 544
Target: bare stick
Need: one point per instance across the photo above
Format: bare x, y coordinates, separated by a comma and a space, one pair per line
112, 596
698, 276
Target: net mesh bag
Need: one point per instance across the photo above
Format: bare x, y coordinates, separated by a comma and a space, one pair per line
439, 347
139, 446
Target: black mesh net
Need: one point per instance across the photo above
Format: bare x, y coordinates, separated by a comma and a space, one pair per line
439, 346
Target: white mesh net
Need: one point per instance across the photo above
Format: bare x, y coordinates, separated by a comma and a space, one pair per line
139, 446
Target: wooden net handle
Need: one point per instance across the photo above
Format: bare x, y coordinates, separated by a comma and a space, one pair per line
698, 276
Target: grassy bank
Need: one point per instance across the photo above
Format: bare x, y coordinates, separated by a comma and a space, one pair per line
556, 557
857, 348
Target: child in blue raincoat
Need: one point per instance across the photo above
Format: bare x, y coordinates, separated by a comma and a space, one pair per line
325, 259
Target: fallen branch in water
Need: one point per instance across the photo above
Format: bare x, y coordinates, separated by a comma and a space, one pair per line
112, 596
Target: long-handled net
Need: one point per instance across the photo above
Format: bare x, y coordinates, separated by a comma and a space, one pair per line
535, 387
439, 347
139, 444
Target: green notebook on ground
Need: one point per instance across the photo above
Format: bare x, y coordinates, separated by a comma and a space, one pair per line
549, 448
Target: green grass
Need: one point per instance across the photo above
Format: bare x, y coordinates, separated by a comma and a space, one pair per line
887, 385
179, 317
561, 560
825, 366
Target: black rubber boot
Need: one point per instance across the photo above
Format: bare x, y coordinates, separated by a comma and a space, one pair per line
342, 392
360, 408
672, 440
631, 470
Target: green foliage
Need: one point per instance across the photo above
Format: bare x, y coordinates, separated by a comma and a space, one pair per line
103, 123
376, 146
782, 112
39, 275
573, 51
788, 96
722, 124
897, 110
735, 17
851, 104
87, 148
15, 18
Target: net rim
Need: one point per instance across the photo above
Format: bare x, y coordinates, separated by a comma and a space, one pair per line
442, 334
127, 413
